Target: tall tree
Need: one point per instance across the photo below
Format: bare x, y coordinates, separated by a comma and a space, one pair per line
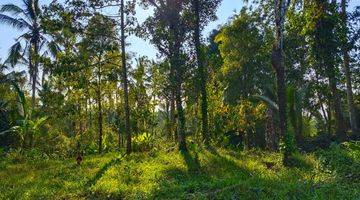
124, 77
325, 44
277, 60
167, 30
97, 43
27, 18
346, 68
203, 10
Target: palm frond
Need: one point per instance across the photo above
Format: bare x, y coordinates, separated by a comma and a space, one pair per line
53, 48
272, 105
16, 23
39, 122
3, 67
3, 106
15, 76
11, 8
23, 110
30, 9
14, 54
26, 36
36, 6
7, 131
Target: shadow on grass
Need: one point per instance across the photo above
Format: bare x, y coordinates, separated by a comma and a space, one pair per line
199, 181
102, 171
223, 177
192, 162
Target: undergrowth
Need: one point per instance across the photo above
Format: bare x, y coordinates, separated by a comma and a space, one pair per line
212, 173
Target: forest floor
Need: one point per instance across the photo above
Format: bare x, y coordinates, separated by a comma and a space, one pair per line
209, 174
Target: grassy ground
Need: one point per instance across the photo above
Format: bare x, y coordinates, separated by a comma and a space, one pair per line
208, 174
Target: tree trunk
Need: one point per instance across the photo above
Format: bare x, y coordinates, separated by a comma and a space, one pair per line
100, 116
281, 94
202, 72
346, 68
177, 67
176, 86
278, 65
340, 124
181, 120
33, 65
270, 134
125, 81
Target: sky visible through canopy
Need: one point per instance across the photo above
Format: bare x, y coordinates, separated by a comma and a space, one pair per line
138, 46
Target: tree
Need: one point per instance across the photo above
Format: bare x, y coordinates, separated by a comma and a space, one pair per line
203, 11
124, 77
277, 61
346, 68
324, 51
99, 43
167, 31
27, 18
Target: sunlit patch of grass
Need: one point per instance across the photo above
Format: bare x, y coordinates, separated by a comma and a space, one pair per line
217, 174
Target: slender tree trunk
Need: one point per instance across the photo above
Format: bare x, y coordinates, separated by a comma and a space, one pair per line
100, 119
33, 65
34, 73
100, 115
278, 65
270, 136
118, 118
340, 123
168, 119
86, 111
172, 124
346, 68
177, 80
181, 120
125, 80
202, 72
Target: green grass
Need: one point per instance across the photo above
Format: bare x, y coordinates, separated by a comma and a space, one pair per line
211, 174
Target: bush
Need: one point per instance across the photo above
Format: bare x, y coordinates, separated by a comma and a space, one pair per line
343, 159
143, 142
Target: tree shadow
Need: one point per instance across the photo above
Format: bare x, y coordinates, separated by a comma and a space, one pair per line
102, 171
198, 181
223, 177
192, 162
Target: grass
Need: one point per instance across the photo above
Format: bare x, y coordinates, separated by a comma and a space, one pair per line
206, 174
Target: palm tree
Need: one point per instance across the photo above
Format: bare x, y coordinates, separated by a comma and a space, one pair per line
26, 49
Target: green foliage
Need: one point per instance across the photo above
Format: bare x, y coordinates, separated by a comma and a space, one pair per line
26, 126
143, 142
223, 174
342, 161
244, 50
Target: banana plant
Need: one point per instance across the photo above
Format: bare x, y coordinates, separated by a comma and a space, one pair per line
25, 125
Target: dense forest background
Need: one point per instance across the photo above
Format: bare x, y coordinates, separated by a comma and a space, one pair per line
280, 76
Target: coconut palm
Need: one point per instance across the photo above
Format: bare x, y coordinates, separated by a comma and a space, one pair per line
27, 47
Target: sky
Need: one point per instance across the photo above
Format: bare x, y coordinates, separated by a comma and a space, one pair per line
138, 46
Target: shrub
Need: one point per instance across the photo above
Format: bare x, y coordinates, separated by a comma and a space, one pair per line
143, 142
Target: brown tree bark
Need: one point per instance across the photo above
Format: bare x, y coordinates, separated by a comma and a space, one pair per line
178, 67
339, 118
125, 80
346, 69
202, 72
277, 62
100, 114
